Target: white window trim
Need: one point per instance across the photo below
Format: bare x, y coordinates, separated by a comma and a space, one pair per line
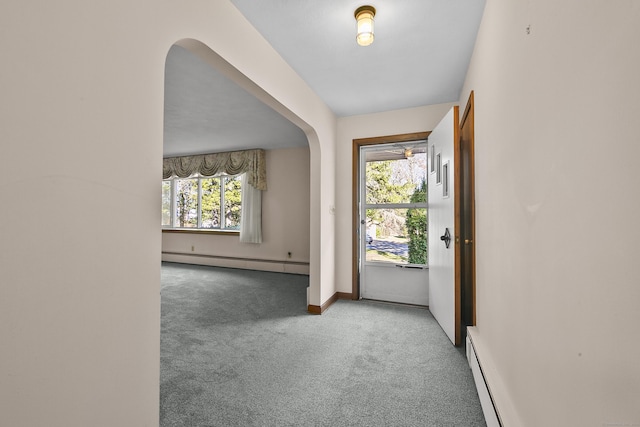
173, 226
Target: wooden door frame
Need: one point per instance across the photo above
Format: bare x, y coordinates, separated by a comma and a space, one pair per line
355, 173
467, 115
457, 209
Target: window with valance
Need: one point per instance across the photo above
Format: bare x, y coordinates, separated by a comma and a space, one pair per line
248, 165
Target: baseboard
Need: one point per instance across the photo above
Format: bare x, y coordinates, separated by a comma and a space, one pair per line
315, 309
487, 402
280, 266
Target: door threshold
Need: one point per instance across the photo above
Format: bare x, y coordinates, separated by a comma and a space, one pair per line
403, 304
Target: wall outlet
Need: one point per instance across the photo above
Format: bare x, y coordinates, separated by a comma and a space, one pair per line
193, 248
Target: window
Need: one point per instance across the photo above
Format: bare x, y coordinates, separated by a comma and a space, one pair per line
202, 202
394, 211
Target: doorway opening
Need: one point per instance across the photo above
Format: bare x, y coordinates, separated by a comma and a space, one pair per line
214, 112
466, 264
389, 219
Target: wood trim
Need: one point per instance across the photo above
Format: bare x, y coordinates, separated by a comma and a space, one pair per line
467, 119
344, 295
314, 309
457, 206
355, 166
405, 137
469, 115
355, 268
468, 110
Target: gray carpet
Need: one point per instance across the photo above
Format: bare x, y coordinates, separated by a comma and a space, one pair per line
239, 349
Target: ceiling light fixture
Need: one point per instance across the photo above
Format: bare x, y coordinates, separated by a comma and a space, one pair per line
364, 16
408, 152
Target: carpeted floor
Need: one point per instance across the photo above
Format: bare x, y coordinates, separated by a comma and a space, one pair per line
239, 349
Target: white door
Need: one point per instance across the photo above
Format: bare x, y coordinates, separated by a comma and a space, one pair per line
393, 212
442, 293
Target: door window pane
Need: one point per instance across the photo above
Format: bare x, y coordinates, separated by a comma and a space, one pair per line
396, 236
394, 180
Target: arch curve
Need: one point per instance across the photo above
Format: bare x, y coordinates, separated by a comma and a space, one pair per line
322, 167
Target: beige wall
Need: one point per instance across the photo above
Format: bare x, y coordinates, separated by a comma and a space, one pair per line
81, 133
81, 137
285, 223
410, 120
557, 202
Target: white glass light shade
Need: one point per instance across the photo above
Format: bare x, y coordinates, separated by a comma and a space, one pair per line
364, 16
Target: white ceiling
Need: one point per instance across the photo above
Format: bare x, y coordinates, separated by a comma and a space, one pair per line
206, 112
420, 56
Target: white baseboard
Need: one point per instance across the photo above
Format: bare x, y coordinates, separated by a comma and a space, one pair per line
242, 263
488, 407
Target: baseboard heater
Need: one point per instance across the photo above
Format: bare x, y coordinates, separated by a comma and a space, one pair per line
232, 258
486, 400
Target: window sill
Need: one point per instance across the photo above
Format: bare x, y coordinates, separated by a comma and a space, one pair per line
200, 231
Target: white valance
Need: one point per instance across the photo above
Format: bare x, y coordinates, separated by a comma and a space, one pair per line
251, 162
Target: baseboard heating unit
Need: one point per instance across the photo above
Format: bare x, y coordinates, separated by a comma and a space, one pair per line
486, 401
283, 266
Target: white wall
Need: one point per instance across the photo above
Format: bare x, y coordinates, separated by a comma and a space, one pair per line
285, 223
411, 120
557, 205
81, 129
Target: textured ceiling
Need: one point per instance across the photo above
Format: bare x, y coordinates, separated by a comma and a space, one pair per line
206, 112
420, 56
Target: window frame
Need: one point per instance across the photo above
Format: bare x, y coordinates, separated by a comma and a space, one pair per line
355, 202
365, 206
222, 229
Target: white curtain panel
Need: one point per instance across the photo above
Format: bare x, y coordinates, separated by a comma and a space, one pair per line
251, 215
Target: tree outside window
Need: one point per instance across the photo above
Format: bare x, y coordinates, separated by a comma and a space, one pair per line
396, 210
202, 202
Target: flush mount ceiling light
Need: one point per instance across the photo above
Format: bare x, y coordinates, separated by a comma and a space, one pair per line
364, 16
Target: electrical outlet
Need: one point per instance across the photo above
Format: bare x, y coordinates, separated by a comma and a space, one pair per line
193, 248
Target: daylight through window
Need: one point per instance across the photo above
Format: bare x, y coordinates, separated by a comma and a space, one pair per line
395, 204
202, 202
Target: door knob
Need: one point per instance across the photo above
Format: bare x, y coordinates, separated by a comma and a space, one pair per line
468, 241
446, 238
